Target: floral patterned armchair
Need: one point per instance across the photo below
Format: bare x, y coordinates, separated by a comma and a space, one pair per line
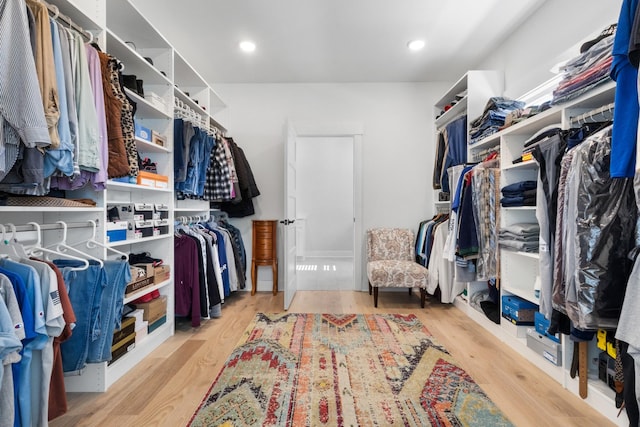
390, 262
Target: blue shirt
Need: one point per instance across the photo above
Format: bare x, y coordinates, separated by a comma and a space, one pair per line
31, 282
625, 114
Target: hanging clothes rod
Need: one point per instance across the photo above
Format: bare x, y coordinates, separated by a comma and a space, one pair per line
55, 226
55, 14
600, 114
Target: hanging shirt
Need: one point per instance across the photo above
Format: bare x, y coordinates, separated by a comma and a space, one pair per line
625, 114
45, 69
19, 88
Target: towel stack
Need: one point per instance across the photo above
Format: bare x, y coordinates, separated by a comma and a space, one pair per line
523, 236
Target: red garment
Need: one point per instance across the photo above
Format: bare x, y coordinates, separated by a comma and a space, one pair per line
57, 391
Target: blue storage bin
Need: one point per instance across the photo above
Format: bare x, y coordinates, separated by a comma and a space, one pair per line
519, 311
542, 326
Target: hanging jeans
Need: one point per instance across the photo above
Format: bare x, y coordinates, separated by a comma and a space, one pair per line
118, 274
85, 289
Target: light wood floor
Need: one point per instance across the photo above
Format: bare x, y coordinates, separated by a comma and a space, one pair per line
166, 388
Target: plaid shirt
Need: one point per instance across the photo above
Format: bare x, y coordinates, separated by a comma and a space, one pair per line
218, 186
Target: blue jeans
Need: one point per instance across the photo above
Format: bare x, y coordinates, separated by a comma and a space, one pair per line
118, 275
85, 289
207, 148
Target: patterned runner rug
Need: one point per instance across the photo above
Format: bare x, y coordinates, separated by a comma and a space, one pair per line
297, 369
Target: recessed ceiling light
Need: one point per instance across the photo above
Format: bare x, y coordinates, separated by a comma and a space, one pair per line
247, 46
415, 45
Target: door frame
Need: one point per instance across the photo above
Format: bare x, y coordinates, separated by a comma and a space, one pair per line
355, 130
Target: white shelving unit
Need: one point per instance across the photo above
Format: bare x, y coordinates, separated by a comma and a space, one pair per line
470, 94
519, 269
477, 86
123, 32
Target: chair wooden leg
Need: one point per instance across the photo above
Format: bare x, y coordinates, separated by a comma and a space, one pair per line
370, 287
423, 296
375, 297
410, 289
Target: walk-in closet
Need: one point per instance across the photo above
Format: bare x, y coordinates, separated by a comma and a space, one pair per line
188, 192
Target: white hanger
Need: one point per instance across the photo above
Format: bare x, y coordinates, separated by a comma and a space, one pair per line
17, 248
37, 248
93, 242
62, 246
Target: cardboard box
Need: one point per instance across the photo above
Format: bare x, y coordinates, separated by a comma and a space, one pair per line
162, 211
154, 309
142, 132
137, 315
542, 326
541, 344
142, 331
138, 285
156, 100
122, 348
149, 179
162, 273
158, 139
116, 231
127, 328
607, 369
147, 269
155, 325
139, 229
519, 311
162, 225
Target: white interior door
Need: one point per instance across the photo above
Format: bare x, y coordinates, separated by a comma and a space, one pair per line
289, 229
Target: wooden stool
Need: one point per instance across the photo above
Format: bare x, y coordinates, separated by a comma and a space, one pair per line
264, 251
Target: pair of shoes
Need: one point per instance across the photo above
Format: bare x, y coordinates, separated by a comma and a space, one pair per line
144, 258
147, 165
147, 297
132, 82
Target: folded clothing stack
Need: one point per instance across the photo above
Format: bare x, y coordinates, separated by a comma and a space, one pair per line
521, 193
587, 70
493, 117
523, 236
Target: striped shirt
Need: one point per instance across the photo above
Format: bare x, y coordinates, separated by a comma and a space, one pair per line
21, 112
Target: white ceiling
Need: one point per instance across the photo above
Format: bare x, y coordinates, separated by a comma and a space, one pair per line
335, 40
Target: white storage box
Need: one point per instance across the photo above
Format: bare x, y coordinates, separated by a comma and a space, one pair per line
544, 346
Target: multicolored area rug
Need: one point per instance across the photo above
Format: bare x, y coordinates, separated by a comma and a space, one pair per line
343, 370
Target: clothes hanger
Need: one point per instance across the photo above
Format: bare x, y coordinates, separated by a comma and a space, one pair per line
13, 244
62, 246
38, 248
92, 242
4, 242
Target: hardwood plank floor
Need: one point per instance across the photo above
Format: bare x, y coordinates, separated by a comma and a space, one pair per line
167, 387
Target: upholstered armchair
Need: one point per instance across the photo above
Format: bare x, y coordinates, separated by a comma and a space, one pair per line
391, 264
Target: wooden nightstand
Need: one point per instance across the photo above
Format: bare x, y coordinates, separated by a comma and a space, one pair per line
264, 251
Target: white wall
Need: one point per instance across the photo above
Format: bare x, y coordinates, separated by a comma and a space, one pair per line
397, 146
554, 33
324, 171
